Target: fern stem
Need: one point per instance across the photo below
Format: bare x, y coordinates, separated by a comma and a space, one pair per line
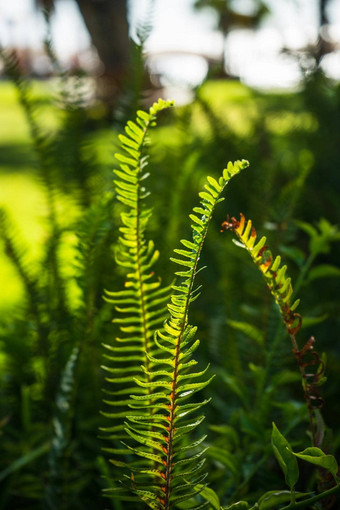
173, 405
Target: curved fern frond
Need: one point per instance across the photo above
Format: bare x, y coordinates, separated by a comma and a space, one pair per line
275, 275
172, 461
141, 306
281, 288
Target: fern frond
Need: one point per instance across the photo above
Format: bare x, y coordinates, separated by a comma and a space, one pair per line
62, 422
95, 236
281, 288
16, 252
275, 275
141, 306
41, 139
164, 439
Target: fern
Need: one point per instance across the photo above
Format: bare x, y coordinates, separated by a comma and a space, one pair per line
41, 139
179, 479
142, 305
16, 251
95, 236
154, 400
62, 421
279, 285
137, 81
160, 425
281, 288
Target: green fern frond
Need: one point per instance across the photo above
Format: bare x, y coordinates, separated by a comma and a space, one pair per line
41, 139
16, 251
95, 236
163, 437
141, 306
275, 275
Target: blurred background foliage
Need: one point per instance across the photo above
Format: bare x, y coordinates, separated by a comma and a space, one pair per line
59, 226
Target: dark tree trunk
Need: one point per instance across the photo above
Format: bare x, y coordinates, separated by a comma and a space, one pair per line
106, 21
323, 46
323, 15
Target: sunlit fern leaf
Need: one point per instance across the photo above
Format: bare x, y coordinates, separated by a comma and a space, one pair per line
173, 462
275, 275
141, 306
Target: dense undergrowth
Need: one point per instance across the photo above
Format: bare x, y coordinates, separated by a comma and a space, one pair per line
63, 259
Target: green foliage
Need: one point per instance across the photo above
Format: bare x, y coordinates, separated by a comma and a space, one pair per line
240, 505
319, 458
159, 422
272, 499
61, 434
287, 461
157, 427
143, 302
64, 275
49, 339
